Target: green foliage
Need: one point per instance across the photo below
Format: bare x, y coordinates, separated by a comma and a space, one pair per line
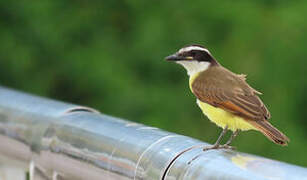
109, 55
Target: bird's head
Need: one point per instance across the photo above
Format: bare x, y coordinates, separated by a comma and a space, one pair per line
194, 58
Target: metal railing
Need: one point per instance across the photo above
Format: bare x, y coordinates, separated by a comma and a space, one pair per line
56, 140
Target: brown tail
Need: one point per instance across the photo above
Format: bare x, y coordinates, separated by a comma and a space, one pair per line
271, 132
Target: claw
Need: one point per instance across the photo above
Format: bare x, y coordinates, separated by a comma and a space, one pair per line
217, 146
225, 146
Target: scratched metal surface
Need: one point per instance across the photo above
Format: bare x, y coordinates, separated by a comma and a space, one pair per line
55, 140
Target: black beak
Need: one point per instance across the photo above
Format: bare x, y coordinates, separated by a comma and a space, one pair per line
174, 57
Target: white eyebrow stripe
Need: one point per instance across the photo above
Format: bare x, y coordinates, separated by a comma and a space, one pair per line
186, 49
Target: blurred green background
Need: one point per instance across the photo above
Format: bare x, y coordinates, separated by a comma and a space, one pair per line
110, 55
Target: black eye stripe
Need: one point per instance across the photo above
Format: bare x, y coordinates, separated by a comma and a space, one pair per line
197, 53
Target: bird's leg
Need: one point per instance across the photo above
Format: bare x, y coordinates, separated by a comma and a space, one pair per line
217, 143
234, 134
227, 144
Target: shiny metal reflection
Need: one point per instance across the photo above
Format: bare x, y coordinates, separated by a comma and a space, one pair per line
56, 140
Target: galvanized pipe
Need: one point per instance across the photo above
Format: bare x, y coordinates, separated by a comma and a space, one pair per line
55, 140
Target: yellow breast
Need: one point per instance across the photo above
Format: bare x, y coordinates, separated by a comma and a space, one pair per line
222, 118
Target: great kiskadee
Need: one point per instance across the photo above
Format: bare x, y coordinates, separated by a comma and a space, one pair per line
224, 97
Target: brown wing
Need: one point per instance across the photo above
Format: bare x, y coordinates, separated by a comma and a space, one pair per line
220, 87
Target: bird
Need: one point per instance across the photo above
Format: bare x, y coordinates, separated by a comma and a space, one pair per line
225, 97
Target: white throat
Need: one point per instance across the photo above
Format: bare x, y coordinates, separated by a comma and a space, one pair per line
194, 67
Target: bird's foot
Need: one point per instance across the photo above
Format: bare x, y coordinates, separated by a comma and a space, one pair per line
218, 146
226, 146
215, 146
